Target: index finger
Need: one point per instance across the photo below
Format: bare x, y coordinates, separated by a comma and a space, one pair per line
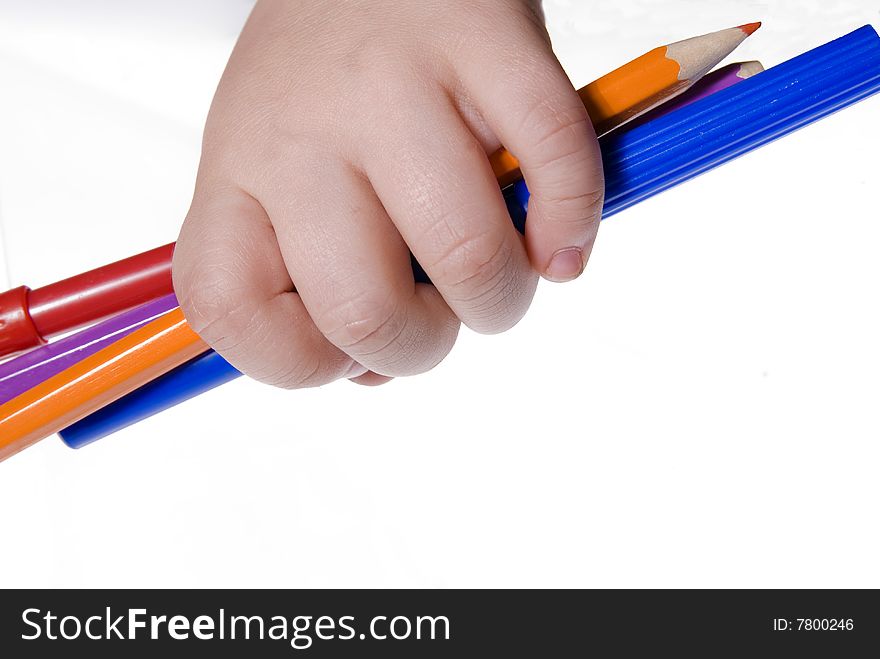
537, 114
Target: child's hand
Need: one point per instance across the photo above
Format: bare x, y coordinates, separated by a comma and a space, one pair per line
345, 132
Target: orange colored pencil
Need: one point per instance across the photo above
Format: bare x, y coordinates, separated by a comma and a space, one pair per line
88, 385
643, 83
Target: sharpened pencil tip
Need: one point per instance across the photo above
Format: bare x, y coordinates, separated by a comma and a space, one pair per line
749, 28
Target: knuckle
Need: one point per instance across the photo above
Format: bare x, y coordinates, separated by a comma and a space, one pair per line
563, 129
471, 263
479, 273
579, 210
501, 306
365, 324
213, 300
306, 372
560, 132
224, 314
310, 364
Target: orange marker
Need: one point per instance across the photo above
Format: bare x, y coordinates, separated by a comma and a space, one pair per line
647, 81
87, 386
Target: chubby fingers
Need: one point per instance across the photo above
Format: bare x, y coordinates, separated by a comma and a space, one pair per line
438, 188
236, 293
534, 110
353, 270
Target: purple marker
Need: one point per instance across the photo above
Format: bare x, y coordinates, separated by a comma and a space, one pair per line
722, 78
24, 372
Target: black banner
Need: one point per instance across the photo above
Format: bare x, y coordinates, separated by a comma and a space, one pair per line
439, 623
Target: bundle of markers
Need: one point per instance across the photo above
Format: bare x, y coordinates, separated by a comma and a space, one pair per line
662, 119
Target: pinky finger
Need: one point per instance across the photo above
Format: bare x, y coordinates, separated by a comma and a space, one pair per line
370, 379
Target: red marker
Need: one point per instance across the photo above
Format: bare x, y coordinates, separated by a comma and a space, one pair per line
28, 318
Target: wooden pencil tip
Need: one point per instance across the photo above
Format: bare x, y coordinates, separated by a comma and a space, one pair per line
749, 28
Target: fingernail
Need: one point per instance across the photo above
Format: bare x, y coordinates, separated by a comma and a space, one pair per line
566, 264
356, 370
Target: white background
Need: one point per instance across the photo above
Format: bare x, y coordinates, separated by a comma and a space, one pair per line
700, 409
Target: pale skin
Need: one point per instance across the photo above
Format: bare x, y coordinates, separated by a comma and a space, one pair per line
345, 134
